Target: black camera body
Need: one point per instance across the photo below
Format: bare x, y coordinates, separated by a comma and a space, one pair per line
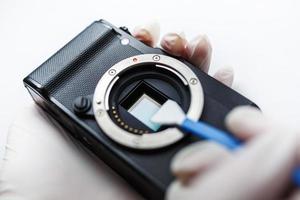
64, 86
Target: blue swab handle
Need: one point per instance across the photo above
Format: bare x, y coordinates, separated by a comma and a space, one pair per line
205, 131
208, 132
296, 177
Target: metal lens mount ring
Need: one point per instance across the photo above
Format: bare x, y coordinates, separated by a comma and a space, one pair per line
145, 141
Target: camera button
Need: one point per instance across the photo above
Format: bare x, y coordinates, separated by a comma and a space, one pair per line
125, 41
81, 105
124, 28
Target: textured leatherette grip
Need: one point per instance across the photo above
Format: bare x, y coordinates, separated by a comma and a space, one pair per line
69, 58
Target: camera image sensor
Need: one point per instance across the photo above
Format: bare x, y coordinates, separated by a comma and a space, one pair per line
143, 109
142, 102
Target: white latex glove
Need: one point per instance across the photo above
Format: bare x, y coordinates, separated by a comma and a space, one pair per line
41, 162
261, 170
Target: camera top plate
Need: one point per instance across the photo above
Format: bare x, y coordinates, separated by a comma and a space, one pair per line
162, 138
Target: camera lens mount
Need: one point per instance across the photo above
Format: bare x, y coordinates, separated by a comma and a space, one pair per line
106, 112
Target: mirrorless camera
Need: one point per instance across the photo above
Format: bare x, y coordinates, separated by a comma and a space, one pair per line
104, 86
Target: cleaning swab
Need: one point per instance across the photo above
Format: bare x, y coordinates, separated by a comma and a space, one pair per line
171, 114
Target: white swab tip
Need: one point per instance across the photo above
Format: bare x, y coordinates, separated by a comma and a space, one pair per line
169, 113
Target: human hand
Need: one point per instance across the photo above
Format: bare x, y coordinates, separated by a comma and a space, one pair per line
198, 51
261, 170
41, 162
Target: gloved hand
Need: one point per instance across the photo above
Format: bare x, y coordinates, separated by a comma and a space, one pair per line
261, 170
41, 162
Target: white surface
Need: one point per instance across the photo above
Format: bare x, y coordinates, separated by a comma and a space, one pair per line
259, 38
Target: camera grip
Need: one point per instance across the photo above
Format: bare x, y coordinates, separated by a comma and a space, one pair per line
69, 58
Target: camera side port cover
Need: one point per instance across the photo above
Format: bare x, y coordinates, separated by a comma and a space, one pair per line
155, 140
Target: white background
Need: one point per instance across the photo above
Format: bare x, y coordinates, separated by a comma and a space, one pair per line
259, 38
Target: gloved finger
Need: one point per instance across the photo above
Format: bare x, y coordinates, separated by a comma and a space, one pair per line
245, 122
261, 170
225, 76
295, 195
196, 159
175, 44
199, 52
148, 33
